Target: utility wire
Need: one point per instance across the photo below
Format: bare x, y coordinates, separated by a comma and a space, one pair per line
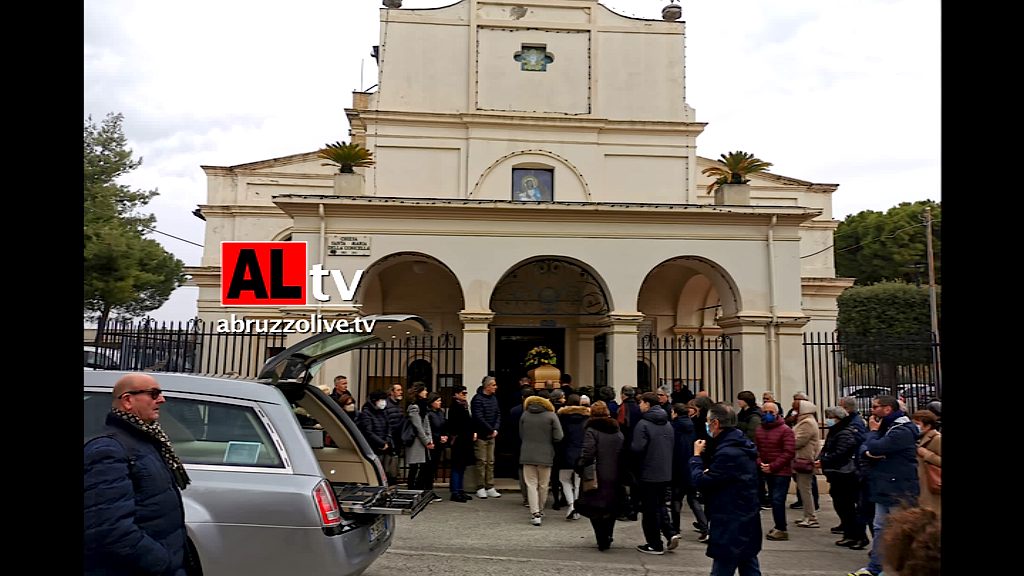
893, 234
146, 228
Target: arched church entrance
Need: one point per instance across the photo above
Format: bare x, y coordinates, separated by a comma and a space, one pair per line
412, 282
682, 299
546, 301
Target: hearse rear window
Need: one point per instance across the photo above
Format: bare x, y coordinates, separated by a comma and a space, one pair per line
202, 431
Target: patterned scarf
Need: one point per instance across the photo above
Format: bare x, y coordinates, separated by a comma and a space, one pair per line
153, 430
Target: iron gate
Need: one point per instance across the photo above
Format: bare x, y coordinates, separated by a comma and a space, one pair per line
905, 368
191, 347
702, 363
434, 360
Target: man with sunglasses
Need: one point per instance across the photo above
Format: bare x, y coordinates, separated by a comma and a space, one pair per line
134, 518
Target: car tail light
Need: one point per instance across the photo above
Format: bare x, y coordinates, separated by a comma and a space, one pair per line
326, 504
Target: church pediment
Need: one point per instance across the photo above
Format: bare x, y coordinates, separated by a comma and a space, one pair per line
305, 164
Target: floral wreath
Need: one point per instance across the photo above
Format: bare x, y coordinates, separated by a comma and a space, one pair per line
540, 355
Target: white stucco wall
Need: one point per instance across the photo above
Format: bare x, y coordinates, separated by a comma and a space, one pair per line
454, 115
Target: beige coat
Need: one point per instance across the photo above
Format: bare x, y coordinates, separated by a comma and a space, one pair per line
808, 438
929, 453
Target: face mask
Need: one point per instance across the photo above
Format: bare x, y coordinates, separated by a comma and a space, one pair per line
768, 417
349, 407
830, 422
382, 404
707, 426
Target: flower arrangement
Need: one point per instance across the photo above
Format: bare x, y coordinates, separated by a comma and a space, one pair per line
540, 355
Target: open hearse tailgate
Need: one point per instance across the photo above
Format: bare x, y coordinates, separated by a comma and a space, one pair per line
360, 499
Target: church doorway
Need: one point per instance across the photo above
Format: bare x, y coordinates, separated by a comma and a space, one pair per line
510, 348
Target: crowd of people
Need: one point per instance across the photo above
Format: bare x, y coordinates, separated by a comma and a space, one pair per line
638, 456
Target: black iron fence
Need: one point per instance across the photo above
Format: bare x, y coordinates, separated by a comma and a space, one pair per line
908, 369
435, 360
192, 347
702, 363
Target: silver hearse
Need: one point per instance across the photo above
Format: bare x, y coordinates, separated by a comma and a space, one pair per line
269, 496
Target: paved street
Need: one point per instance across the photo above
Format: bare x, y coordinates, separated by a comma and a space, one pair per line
494, 537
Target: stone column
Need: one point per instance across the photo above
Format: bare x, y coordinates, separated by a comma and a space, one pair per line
585, 359
791, 358
750, 370
622, 343
475, 350
475, 360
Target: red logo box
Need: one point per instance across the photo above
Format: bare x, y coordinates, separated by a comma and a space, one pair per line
263, 273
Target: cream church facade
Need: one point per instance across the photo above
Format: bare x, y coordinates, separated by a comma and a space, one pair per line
537, 180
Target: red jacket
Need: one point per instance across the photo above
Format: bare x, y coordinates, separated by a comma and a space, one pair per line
776, 446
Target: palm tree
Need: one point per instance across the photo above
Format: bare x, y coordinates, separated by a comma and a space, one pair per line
346, 156
735, 169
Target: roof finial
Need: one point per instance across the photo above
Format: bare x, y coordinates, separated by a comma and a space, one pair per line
672, 12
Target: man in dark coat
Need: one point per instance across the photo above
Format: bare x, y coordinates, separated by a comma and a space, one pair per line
681, 393
729, 485
607, 395
838, 463
134, 517
514, 415
396, 420
682, 486
865, 508
628, 416
487, 414
463, 439
890, 452
340, 389
652, 442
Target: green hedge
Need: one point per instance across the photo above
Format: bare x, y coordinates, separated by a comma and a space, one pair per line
886, 322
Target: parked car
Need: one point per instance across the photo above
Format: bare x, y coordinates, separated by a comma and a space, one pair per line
100, 358
915, 395
863, 395
268, 497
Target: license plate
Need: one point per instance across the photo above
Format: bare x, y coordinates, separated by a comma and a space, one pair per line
378, 529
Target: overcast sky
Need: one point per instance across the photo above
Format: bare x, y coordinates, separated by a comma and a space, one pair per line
844, 92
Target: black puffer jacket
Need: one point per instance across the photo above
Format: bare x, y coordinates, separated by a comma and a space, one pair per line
486, 412
572, 419
840, 449
461, 428
396, 419
134, 518
376, 428
730, 490
653, 439
682, 450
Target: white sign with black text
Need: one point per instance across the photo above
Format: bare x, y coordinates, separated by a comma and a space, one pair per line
341, 245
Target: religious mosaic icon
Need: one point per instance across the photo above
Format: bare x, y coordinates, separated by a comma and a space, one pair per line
532, 185
534, 58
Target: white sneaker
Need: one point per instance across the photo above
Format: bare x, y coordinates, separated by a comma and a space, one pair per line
482, 494
491, 492
536, 520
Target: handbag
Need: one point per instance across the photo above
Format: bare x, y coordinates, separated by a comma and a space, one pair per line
408, 433
587, 474
934, 478
803, 465
588, 479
